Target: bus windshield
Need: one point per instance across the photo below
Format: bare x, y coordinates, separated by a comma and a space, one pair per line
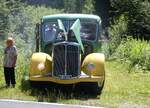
88, 30
52, 32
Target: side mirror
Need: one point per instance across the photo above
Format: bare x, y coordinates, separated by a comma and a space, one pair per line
37, 36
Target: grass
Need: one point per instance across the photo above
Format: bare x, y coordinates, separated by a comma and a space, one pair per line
122, 89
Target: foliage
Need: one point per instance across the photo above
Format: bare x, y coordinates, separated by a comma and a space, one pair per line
79, 6
15, 6
119, 7
135, 52
88, 7
73, 6
117, 31
133, 23
139, 24
4, 11
23, 23
138, 13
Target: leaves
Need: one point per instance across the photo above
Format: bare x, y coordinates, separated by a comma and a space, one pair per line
117, 32
138, 13
88, 7
79, 6
4, 11
137, 52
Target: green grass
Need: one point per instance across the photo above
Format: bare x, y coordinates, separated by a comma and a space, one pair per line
122, 89
125, 88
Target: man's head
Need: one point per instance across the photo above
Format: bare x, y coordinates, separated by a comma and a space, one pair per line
9, 41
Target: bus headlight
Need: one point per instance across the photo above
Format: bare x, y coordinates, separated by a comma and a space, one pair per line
91, 66
41, 66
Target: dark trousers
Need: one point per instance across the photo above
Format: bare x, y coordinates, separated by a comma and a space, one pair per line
9, 74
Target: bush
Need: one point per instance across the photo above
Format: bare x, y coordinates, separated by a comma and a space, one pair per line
4, 11
139, 24
117, 31
135, 52
138, 13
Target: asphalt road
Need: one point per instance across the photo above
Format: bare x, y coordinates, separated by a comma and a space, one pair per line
28, 104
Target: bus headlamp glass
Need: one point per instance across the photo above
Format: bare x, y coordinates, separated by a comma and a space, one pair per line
90, 66
41, 66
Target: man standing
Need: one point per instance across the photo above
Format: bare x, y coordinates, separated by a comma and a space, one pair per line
10, 57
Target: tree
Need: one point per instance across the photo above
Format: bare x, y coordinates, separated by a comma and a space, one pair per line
15, 6
102, 9
88, 6
73, 6
8, 7
139, 24
4, 11
79, 6
138, 13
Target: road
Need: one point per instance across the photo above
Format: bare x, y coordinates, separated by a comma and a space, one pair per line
28, 104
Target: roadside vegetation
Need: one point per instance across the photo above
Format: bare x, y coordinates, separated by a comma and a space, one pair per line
127, 54
122, 89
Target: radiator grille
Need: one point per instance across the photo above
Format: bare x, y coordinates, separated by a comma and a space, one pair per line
66, 60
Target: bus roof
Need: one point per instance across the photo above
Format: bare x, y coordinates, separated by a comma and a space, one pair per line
70, 16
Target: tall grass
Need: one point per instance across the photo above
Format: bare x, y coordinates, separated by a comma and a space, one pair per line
135, 52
